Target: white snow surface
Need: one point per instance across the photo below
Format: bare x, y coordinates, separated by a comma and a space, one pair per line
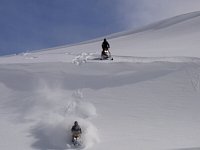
147, 98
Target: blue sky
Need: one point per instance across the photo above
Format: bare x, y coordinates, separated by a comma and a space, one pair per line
36, 24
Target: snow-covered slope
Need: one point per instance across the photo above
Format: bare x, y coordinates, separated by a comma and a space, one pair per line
146, 99
177, 36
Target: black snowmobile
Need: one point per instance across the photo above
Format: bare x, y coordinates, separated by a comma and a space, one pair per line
105, 54
76, 139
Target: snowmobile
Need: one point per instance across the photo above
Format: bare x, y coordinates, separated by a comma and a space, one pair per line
76, 139
105, 54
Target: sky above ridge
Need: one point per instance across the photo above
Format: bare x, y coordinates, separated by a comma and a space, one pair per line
27, 25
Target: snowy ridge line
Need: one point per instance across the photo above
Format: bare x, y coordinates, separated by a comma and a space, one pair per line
174, 20
153, 26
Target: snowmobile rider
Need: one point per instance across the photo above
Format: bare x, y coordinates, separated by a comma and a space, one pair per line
76, 131
105, 45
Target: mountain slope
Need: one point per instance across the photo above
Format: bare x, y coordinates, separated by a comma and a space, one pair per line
177, 36
143, 103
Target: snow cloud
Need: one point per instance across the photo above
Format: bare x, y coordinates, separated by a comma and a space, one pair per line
140, 12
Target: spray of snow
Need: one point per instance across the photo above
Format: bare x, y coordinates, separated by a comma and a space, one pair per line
82, 58
53, 130
51, 111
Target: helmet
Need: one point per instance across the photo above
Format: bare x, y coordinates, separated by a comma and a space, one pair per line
76, 123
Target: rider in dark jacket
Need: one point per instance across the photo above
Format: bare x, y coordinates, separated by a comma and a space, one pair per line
105, 52
105, 45
76, 130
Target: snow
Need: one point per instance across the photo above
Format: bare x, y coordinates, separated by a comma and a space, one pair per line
147, 98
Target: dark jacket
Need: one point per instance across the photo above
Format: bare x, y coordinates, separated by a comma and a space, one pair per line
76, 128
105, 45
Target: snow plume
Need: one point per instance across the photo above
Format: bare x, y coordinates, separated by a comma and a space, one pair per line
90, 134
50, 109
80, 108
53, 131
50, 133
